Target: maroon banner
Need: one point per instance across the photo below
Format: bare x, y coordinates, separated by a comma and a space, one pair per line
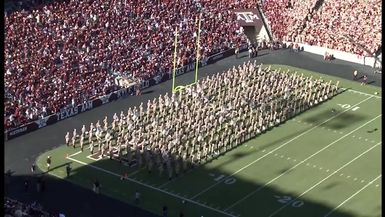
249, 17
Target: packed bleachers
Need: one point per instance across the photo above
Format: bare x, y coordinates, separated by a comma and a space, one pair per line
340, 25
287, 17
14, 208
360, 20
63, 53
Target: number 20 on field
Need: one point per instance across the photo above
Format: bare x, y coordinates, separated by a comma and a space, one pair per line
287, 199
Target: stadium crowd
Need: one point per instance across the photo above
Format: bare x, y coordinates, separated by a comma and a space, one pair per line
63, 53
14, 208
340, 25
204, 120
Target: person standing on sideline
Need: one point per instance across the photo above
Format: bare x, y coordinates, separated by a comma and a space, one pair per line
26, 185
68, 169
137, 197
355, 74
33, 168
365, 80
39, 184
165, 211
96, 186
49, 161
67, 138
237, 52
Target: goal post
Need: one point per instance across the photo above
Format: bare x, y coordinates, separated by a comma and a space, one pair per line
181, 87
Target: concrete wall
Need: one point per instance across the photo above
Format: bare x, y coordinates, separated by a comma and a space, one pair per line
368, 61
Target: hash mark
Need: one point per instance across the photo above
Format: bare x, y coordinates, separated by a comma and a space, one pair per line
355, 179
327, 170
347, 177
377, 185
341, 174
320, 168
314, 166
281, 156
288, 158
362, 181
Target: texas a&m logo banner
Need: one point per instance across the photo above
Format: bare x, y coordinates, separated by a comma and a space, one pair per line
249, 17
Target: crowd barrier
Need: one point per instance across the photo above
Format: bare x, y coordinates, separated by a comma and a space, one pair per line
72, 111
341, 55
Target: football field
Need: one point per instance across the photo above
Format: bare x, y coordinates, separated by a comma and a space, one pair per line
323, 162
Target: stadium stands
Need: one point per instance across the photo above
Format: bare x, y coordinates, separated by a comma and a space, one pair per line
14, 208
352, 26
63, 53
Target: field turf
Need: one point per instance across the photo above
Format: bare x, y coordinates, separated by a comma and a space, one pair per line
323, 162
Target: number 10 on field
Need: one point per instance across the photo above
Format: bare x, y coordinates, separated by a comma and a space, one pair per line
228, 180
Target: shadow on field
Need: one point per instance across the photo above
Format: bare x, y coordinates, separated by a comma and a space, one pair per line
110, 173
64, 197
338, 123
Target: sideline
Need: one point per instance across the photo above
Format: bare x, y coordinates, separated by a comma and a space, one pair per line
154, 188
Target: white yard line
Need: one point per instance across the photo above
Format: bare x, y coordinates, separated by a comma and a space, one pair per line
363, 188
368, 94
301, 162
76, 153
154, 188
284, 144
312, 187
94, 159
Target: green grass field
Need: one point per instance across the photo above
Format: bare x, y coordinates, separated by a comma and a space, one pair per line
320, 163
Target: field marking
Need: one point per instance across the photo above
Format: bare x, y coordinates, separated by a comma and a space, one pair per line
353, 195
353, 136
356, 91
284, 144
312, 187
94, 159
301, 162
327, 170
76, 153
152, 187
